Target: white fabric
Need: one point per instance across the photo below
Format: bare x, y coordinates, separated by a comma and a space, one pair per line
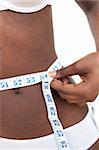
81, 136
23, 6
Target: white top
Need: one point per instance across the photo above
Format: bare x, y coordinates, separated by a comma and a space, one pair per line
23, 6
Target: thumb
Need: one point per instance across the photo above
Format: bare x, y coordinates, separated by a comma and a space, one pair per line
65, 72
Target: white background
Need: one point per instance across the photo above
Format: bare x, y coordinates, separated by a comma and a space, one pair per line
72, 34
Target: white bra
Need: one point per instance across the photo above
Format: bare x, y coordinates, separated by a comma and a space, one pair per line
23, 6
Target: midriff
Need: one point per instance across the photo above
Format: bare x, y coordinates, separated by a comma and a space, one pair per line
27, 46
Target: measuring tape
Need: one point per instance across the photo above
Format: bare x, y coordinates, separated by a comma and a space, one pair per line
31, 79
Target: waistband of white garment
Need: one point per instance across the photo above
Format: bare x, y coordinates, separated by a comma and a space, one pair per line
4, 5
81, 136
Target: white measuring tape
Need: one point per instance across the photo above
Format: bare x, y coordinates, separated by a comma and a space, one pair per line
31, 79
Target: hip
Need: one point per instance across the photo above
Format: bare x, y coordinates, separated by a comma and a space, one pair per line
86, 131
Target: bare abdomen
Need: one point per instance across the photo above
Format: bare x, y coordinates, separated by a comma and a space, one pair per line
26, 46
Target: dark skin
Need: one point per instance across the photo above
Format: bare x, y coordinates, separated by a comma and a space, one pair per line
87, 68
29, 39
32, 54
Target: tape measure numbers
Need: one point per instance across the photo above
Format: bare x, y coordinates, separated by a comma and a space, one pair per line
32, 79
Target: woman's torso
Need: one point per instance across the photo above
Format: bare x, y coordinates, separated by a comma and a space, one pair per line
27, 46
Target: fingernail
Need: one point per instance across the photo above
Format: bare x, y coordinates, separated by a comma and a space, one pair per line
52, 73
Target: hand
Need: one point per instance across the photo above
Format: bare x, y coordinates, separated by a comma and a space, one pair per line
88, 89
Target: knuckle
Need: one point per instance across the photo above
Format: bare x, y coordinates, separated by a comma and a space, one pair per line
93, 98
71, 100
77, 66
85, 93
88, 94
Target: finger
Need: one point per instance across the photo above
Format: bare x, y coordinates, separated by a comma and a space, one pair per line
67, 71
76, 100
70, 98
57, 85
74, 89
79, 100
65, 80
71, 89
79, 67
